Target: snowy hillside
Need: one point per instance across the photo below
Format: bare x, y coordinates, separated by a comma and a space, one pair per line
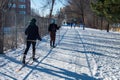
80, 55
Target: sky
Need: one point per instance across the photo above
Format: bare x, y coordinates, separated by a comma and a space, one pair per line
38, 4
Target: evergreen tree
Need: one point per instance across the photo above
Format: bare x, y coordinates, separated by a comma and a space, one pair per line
110, 9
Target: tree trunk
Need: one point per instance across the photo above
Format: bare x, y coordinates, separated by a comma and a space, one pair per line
51, 10
101, 23
83, 21
93, 21
108, 27
1, 33
96, 23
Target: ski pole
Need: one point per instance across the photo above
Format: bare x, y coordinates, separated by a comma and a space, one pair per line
24, 41
59, 37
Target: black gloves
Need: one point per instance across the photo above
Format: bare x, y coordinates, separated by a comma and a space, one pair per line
40, 39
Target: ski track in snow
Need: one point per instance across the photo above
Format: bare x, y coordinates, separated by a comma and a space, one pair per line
79, 55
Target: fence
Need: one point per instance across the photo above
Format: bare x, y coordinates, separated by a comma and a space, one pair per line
14, 27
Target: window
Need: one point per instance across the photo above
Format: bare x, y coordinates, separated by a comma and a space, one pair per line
22, 6
12, 5
21, 0
22, 12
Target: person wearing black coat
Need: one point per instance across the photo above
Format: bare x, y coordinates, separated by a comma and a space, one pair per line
52, 31
32, 33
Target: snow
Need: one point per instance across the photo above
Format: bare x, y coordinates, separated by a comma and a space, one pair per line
80, 55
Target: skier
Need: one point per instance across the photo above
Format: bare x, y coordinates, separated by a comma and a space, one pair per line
71, 24
32, 33
52, 31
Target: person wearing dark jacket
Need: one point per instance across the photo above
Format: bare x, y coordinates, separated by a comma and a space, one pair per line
32, 33
52, 31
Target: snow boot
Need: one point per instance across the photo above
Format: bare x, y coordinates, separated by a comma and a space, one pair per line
23, 61
53, 44
50, 43
33, 57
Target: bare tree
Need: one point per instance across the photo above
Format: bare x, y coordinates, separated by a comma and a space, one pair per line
49, 4
79, 7
52, 6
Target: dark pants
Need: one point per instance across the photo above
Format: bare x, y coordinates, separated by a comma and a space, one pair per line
52, 38
28, 46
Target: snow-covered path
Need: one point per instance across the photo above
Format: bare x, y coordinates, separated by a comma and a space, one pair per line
80, 55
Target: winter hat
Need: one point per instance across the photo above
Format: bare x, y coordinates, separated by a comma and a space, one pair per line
33, 20
53, 21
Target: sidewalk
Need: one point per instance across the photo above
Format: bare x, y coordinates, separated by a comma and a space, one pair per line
79, 55
66, 61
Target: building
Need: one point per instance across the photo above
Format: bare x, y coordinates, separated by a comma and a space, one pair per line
17, 15
21, 6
